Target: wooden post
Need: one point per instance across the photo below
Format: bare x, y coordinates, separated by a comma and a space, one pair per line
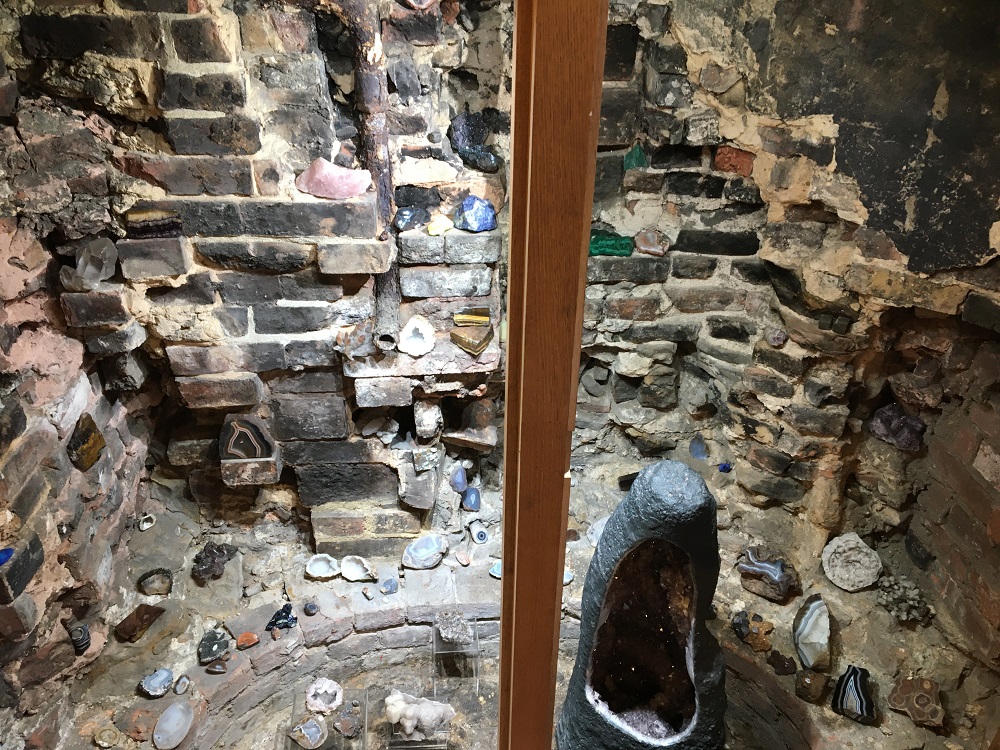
558, 64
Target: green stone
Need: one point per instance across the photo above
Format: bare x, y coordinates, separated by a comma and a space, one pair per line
636, 158
608, 243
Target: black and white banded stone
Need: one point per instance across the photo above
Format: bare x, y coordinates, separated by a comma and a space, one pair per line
853, 696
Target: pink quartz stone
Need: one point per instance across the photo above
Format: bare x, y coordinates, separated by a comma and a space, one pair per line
325, 179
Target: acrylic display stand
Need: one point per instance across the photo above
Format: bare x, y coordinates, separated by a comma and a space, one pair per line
455, 662
335, 740
437, 741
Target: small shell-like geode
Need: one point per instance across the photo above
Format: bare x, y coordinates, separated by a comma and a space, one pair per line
322, 567
158, 683
920, 699
310, 732
425, 552
811, 631
354, 568
850, 563
324, 696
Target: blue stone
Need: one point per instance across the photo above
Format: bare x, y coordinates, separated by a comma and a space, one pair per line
458, 480
5, 554
411, 218
480, 158
497, 569
471, 499
390, 587
725, 468
699, 448
476, 215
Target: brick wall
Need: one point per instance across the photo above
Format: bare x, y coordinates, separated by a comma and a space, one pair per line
160, 140
957, 515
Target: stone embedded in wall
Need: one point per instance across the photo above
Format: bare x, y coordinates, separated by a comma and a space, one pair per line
376, 392
433, 281
247, 453
192, 175
355, 256
317, 416
16, 574
210, 91
214, 135
275, 256
221, 391
152, 259
95, 309
67, 37
198, 40
119, 341
329, 483
271, 218
85, 444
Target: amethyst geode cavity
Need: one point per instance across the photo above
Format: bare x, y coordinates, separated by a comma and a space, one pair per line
648, 673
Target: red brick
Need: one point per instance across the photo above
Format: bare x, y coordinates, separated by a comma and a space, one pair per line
640, 308
970, 492
935, 502
987, 420
987, 599
729, 159
394, 523
993, 528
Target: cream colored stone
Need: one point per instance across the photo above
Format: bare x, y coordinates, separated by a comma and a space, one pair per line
124, 86
903, 288
632, 365
423, 172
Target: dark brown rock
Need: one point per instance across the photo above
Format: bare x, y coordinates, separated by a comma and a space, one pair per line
810, 686
134, 626
86, 443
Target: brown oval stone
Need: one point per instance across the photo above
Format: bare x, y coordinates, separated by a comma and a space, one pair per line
246, 640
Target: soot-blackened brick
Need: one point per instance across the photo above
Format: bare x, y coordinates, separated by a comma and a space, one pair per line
781, 142
717, 243
742, 191
981, 311
419, 27
619, 58
676, 157
157, 6
197, 40
68, 37
343, 482
319, 416
694, 184
17, 574
193, 175
731, 329
13, 422
693, 266
619, 116
637, 269
95, 309
418, 197
247, 255
219, 92
275, 319
214, 136
750, 270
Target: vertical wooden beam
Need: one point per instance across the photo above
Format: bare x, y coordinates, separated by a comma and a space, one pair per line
558, 65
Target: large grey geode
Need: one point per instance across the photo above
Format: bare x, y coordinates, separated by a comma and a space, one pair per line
648, 673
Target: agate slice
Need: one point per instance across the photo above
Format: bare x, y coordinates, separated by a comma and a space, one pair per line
853, 697
765, 573
811, 631
920, 699
173, 726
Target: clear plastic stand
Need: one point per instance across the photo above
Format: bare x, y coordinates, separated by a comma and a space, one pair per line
455, 662
437, 741
347, 711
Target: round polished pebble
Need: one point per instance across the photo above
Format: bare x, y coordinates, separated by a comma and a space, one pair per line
310, 609
182, 684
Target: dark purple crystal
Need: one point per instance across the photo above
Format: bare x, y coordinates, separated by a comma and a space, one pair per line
894, 426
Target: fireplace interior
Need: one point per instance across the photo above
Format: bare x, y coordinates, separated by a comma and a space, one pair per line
252, 329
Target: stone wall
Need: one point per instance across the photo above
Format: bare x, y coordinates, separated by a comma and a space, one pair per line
757, 282
166, 279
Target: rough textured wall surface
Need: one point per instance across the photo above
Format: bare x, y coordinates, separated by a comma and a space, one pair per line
166, 286
793, 288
